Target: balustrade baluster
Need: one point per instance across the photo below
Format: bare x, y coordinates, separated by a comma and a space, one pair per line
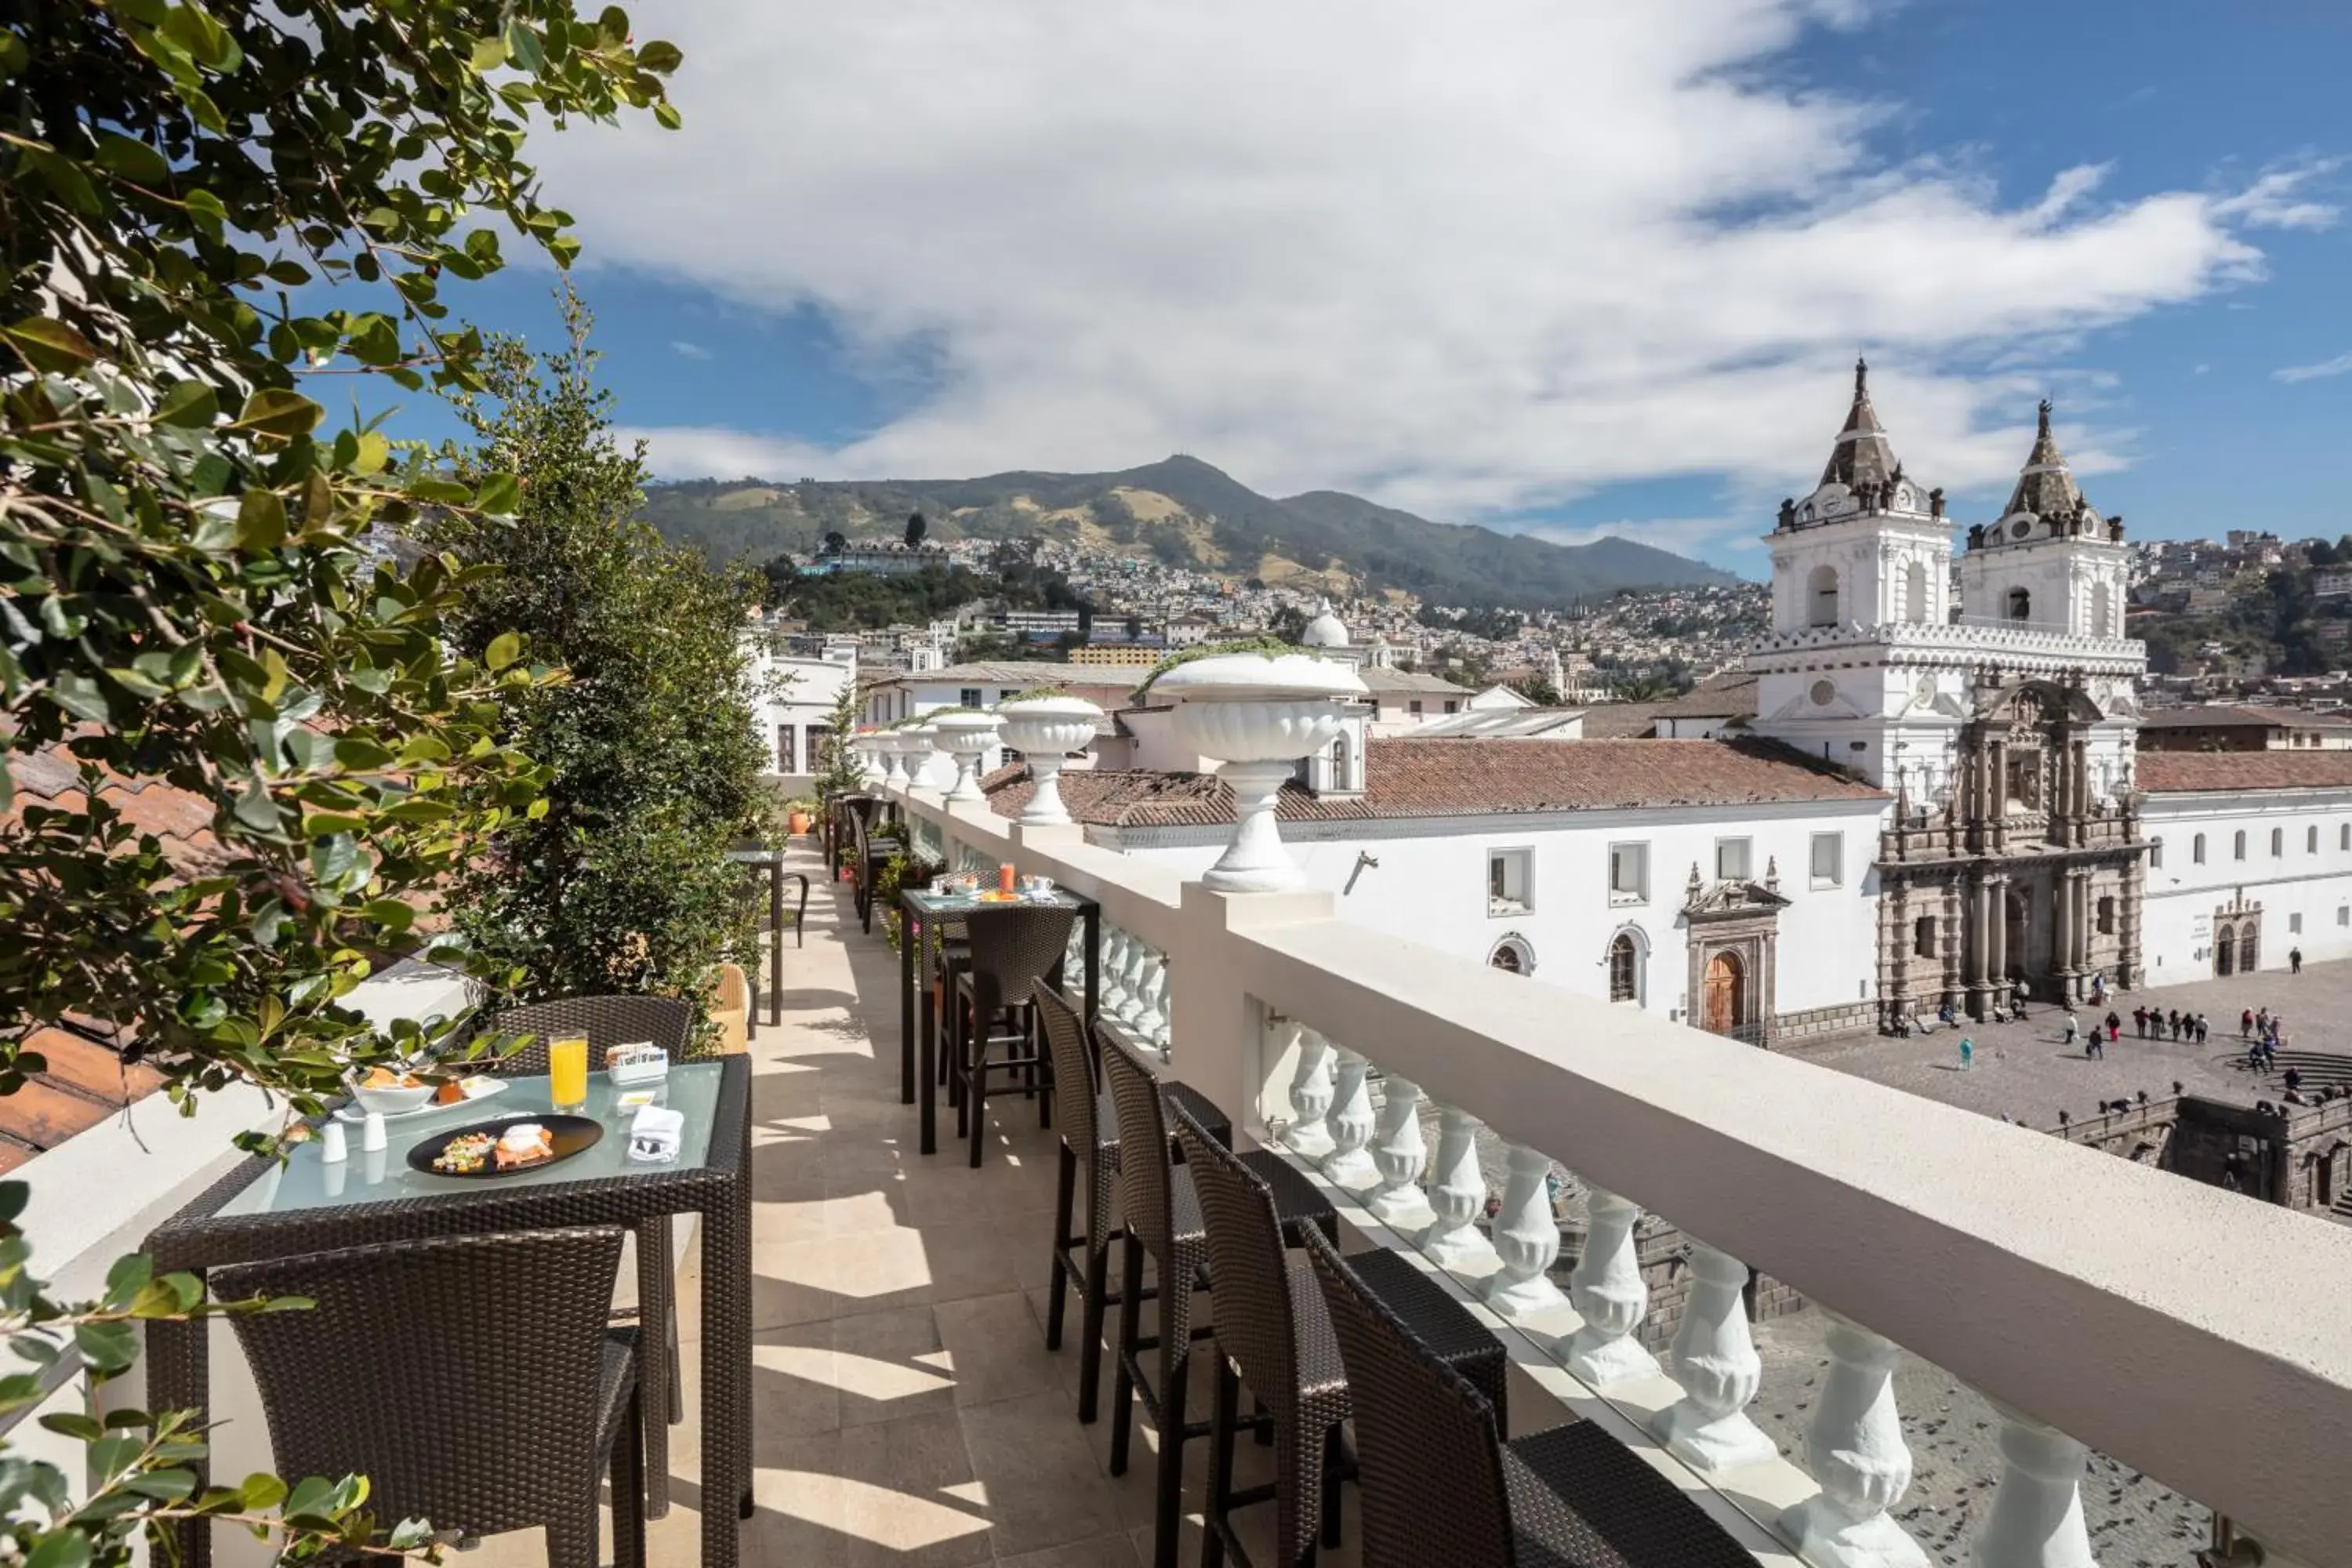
2037, 1511
1152, 1016
1715, 1359
1347, 1164
1854, 1449
1308, 1136
1131, 981
1457, 1196
1527, 1238
1607, 1293
1398, 1153
1114, 974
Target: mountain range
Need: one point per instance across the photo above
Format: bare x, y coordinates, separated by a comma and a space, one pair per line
1182, 511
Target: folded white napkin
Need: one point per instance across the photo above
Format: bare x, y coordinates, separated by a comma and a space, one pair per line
655, 1135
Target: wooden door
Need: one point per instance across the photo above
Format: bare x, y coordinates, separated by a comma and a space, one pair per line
1726, 1005
2225, 952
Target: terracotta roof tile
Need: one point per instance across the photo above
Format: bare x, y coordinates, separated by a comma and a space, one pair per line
1467, 777
2175, 773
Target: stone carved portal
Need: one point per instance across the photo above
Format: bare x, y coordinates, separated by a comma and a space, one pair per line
1734, 928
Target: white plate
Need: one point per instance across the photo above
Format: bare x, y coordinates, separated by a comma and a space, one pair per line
357, 1115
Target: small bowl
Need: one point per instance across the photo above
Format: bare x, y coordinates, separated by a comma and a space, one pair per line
392, 1101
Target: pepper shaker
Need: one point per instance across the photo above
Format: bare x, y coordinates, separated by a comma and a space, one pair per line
332, 1147
372, 1138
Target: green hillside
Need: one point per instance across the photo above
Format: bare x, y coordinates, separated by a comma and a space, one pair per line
1182, 511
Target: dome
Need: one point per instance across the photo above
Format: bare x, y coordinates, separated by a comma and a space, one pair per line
1325, 630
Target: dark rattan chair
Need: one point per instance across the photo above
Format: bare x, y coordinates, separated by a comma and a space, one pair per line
1162, 1216
1089, 1122
471, 1379
872, 856
606, 1022
1440, 1486
1011, 948
1271, 1322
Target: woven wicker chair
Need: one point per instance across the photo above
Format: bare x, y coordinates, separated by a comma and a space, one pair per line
1271, 1322
471, 1379
1439, 1485
607, 1022
868, 863
1011, 948
1163, 1219
1090, 1123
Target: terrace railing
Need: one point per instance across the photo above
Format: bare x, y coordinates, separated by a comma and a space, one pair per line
2185, 1332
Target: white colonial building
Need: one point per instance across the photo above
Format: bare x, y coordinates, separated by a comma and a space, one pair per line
1908, 800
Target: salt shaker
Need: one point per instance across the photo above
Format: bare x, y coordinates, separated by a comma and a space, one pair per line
372, 1138
332, 1148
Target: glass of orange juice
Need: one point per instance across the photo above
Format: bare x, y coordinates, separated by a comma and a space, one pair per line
567, 1072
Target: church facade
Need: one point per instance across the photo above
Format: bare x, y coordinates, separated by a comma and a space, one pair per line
2002, 724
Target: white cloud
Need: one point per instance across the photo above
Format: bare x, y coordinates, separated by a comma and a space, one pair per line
685, 350
706, 452
1697, 537
2339, 365
1463, 258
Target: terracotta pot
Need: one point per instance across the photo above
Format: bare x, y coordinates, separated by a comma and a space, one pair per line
798, 821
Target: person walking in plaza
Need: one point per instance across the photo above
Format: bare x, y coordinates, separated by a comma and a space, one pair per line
2246, 1024
2295, 960
2074, 1026
1967, 1053
2115, 1025
2098, 990
2095, 1043
2202, 1028
2263, 1022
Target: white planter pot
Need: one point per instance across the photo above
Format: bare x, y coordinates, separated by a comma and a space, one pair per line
1045, 730
1258, 715
915, 745
894, 757
966, 735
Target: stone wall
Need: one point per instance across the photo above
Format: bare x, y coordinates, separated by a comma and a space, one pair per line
1846, 1018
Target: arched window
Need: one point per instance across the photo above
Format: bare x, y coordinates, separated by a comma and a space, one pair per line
1624, 968
2238, 846
1915, 592
2196, 850
1821, 597
2021, 604
1343, 775
1513, 957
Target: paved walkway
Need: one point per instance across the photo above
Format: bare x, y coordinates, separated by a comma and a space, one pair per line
2026, 1071
906, 1411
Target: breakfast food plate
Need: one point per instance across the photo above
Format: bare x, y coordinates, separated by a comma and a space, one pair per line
488, 1150
469, 1089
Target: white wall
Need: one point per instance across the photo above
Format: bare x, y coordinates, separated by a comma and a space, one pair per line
1431, 886
798, 695
2176, 915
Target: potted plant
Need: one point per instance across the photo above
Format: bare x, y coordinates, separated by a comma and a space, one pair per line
968, 734
799, 813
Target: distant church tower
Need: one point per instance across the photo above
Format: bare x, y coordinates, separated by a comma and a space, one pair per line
1867, 550
2004, 726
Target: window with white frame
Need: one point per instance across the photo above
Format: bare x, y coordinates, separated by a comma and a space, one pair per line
2238, 846
2294, 925
1629, 873
1828, 859
1732, 859
2196, 850
1510, 881
2155, 853
2344, 914
2311, 840
2278, 842
968, 697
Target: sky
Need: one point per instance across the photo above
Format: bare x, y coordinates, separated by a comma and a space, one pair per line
1559, 267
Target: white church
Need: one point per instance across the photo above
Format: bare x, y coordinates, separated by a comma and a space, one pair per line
1906, 803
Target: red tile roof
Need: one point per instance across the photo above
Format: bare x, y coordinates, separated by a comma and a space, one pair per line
2175, 772
1467, 777
86, 1081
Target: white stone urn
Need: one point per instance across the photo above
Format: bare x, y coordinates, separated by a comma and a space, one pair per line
915, 745
893, 750
1258, 715
868, 748
968, 735
1045, 730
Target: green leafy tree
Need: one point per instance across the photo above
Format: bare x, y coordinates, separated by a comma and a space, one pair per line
622, 884
837, 770
916, 529
208, 209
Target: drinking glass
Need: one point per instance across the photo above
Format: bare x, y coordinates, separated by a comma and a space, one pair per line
567, 1073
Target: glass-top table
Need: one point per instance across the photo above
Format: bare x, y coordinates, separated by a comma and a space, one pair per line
307, 1181
264, 1208
917, 1017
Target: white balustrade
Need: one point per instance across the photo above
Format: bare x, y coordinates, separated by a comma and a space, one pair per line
1398, 1153
1139, 962
1308, 1136
1457, 1196
1527, 1238
1153, 1023
1607, 1291
1714, 1359
2037, 1511
1854, 1450
1348, 1165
